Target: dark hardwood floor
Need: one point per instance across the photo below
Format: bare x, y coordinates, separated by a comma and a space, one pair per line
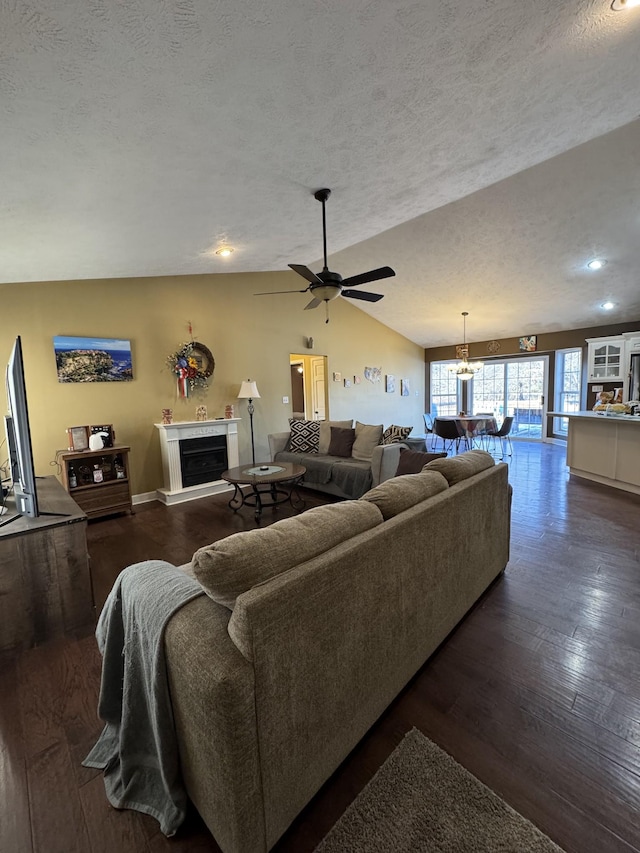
537, 692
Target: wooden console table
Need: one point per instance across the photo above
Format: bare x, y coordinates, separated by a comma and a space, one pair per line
45, 582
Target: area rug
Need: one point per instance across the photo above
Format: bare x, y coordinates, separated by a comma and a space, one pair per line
423, 801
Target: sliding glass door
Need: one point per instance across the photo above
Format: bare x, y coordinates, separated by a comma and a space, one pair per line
516, 387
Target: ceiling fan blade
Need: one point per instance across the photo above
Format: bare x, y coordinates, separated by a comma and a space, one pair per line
366, 277
272, 292
363, 294
313, 304
305, 272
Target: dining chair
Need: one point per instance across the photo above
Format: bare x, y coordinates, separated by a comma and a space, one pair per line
448, 432
503, 435
428, 428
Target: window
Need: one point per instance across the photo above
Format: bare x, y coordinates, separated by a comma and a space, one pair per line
568, 378
444, 389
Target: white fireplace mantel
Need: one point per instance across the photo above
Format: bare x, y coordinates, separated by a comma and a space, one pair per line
170, 437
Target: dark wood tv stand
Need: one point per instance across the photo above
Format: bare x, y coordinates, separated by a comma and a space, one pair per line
44, 572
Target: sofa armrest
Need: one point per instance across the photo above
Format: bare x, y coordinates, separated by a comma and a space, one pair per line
277, 442
384, 462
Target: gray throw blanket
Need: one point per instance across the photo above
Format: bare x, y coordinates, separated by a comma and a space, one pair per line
137, 748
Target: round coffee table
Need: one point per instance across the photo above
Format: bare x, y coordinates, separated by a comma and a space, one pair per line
270, 475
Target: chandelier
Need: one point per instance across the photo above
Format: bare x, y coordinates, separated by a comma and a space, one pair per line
465, 369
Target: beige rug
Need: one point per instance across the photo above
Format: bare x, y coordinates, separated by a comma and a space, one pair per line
423, 801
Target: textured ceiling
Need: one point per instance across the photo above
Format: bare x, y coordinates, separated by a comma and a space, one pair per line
138, 136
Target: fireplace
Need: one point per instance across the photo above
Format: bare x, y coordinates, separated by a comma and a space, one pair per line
202, 460
194, 455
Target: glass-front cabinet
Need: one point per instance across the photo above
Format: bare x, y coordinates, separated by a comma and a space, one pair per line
606, 361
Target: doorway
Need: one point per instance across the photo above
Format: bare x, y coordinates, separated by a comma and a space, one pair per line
309, 392
516, 387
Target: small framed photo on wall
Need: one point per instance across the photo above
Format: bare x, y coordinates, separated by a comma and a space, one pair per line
529, 343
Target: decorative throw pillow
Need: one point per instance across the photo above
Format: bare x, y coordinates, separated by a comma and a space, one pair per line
394, 434
325, 433
413, 461
305, 436
341, 441
367, 437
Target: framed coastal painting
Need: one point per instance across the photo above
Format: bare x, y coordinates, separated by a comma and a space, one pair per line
405, 388
92, 359
529, 343
390, 383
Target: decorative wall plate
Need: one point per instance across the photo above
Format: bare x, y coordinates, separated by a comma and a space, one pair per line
493, 346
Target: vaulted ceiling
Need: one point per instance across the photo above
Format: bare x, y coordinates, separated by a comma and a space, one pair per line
486, 150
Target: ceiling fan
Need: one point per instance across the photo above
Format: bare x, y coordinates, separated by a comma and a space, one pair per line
326, 285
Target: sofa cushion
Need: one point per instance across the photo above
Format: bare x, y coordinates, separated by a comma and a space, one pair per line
413, 461
341, 441
394, 433
367, 437
458, 468
325, 433
233, 565
304, 437
398, 494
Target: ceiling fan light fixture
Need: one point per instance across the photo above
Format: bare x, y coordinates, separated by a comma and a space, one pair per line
326, 292
622, 5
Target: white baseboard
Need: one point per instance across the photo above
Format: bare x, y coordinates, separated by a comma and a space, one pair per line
144, 498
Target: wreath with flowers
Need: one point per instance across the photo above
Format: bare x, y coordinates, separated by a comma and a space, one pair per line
192, 365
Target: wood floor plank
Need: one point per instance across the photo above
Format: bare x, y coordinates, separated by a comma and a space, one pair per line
15, 831
109, 830
57, 819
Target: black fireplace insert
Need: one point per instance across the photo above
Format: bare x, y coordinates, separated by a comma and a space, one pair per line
202, 460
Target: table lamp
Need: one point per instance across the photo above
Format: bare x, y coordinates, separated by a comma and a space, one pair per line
249, 391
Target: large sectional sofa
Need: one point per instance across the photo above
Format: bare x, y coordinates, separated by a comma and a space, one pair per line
367, 464
312, 626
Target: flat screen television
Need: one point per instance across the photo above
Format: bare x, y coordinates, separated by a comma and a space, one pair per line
19, 438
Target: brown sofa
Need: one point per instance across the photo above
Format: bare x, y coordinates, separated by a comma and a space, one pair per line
312, 626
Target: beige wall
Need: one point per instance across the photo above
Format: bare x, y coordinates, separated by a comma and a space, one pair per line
249, 336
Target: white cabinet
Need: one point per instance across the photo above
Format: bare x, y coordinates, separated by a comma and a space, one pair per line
606, 359
632, 345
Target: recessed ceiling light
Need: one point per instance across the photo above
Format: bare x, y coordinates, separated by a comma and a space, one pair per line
620, 5
597, 263
224, 251
608, 305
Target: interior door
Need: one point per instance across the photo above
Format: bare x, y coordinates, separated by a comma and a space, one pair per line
318, 387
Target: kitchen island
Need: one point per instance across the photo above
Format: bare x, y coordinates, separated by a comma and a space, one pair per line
604, 448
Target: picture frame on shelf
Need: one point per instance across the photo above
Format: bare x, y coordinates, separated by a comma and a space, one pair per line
78, 438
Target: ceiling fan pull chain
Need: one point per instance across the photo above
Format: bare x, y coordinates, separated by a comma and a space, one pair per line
326, 308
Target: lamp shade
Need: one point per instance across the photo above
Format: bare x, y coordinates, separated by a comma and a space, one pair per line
248, 390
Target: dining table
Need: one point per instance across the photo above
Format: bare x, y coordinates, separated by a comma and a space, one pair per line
471, 427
